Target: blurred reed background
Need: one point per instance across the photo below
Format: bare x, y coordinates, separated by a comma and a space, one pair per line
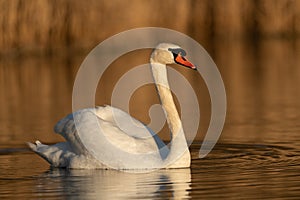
48, 25
43, 42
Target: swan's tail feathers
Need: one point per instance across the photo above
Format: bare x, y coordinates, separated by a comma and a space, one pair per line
34, 146
31, 146
37, 147
56, 155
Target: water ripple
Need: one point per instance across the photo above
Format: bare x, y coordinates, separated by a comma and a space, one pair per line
238, 171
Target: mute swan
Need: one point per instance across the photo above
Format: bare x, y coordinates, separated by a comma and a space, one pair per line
132, 140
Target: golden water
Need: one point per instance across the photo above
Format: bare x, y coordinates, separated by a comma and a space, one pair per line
257, 157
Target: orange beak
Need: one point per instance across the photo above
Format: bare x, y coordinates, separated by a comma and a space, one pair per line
183, 61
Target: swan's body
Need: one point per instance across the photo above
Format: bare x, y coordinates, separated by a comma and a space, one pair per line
132, 138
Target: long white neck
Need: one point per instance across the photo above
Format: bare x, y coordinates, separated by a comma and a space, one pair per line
178, 149
159, 72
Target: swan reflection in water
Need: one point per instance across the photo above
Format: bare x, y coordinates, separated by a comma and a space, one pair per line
114, 184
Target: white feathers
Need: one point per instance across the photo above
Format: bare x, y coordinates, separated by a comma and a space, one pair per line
80, 126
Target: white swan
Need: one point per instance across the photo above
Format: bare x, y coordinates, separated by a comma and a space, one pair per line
140, 147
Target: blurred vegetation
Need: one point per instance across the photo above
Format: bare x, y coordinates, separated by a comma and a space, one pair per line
46, 26
254, 44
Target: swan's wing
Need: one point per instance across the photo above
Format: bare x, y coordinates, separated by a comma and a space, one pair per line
129, 125
66, 127
118, 128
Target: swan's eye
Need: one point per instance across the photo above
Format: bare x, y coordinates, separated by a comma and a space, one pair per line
178, 51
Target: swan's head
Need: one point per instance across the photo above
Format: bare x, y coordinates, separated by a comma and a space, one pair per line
166, 53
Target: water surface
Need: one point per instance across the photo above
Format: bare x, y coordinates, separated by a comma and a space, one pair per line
238, 171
